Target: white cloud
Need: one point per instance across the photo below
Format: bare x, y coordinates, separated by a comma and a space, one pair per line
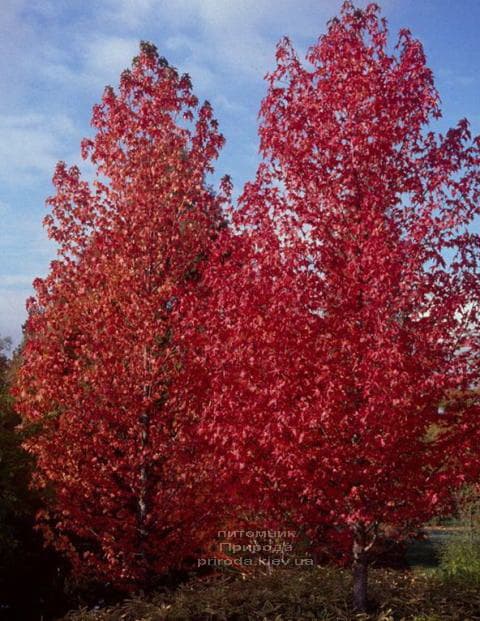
105, 57
24, 246
128, 13
31, 144
230, 36
232, 39
25, 252
13, 312
98, 60
225, 103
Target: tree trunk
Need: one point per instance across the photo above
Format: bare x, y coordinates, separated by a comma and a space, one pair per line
144, 441
142, 501
360, 570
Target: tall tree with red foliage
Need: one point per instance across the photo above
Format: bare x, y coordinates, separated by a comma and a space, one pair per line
352, 311
115, 441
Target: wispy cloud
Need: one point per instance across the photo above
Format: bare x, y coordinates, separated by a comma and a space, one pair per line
230, 36
25, 252
13, 312
30, 145
98, 60
107, 55
459, 80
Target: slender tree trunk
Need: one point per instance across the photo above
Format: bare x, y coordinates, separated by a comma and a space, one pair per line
144, 442
360, 570
142, 500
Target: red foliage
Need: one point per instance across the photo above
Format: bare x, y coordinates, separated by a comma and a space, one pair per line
115, 441
309, 357
348, 310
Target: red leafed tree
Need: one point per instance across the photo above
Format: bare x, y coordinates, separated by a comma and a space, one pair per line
353, 307
115, 442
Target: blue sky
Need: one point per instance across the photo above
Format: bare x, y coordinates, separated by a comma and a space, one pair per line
56, 56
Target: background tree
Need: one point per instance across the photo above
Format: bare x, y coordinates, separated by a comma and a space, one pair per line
354, 309
30, 584
130, 495
16, 503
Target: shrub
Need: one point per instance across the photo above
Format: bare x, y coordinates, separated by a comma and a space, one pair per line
460, 557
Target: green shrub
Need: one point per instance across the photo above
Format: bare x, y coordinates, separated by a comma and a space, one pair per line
460, 557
